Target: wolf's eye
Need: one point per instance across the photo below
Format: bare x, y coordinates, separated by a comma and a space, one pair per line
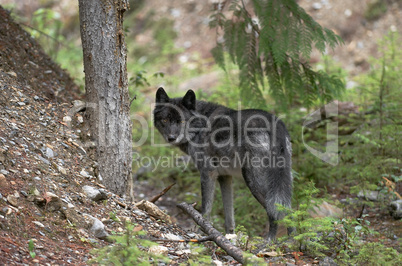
164, 120
183, 121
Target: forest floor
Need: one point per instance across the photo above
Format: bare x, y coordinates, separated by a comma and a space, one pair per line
44, 168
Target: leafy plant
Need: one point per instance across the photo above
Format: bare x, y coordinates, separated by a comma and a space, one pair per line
128, 249
377, 254
275, 44
346, 236
199, 255
31, 248
310, 232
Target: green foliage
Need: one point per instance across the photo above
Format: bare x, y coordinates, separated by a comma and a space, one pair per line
377, 254
31, 248
127, 249
375, 9
373, 151
199, 255
160, 49
276, 45
47, 22
310, 232
347, 236
113, 216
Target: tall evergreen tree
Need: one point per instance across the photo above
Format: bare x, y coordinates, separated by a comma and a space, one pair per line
273, 42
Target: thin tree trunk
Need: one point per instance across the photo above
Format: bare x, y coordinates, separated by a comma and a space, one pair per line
106, 87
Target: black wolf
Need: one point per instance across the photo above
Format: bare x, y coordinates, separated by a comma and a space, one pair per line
223, 143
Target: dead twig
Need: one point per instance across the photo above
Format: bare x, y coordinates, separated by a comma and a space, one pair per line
154, 199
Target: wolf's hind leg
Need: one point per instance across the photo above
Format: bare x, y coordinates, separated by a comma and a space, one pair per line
269, 186
226, 185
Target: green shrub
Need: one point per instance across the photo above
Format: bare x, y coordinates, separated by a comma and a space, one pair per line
127, 249
374, 254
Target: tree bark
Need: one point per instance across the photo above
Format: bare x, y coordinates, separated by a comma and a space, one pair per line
108, 109
214, 234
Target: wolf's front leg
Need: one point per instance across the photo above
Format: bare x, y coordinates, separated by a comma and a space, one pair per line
207, 192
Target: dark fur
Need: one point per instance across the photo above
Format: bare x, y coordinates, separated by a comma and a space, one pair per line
183, 122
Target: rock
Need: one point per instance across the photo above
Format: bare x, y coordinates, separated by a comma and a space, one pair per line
158, 250
78, 106
38, 224
49, 153
232, 238
13, 200
175, 237
326, 210
317, 6
12, 73
217, 262
395, 209
267, 254
370, 195
43, 159
3, 181
67, 118
96, 227
36, 192
62, 170
182, 252
80, 119
4, 172
94, 194
327, 261
54, 203
139, 213
85, 174
5, 211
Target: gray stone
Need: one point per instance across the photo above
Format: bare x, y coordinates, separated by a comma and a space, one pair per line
327, 261
317, 6
4, 172
370, 195
43, 159
139, 213
97, 227
326, 210
49, 153
94, 194
395, 209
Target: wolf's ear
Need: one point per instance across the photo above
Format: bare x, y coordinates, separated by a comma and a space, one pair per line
161, 96
189, 100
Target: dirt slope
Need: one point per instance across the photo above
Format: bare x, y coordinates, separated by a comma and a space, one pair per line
43, 166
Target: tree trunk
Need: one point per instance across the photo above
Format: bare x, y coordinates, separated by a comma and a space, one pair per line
106, 85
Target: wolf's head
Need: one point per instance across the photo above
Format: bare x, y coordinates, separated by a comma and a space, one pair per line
171, 115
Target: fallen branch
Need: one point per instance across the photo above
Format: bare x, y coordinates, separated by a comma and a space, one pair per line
154, 199
214, 234
204, 239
